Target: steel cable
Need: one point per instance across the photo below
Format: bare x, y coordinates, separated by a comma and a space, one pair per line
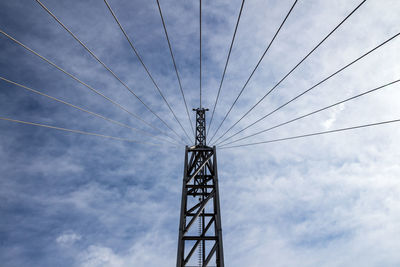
145, 68
314, 86
85, 110
175, 67
312, 113
226, 65
79, 131
295, 67
254, 70
84, 84
106, 67
314, 134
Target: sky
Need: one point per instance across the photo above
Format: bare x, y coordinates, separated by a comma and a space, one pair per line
68, 199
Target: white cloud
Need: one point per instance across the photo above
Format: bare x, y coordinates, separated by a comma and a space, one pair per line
333, 115
96, 256
153, 249
68, 238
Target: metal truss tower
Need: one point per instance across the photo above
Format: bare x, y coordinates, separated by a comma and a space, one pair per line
200, 204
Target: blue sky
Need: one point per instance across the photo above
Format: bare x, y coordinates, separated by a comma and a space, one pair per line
73, 200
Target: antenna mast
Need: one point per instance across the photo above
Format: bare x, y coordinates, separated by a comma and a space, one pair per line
200, 202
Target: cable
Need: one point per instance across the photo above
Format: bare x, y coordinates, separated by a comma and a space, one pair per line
200, 50
105, 66
295, 67
176, 69
226, 65
85, 110
314, 112
314, 86
313, 134
84, 84
79, 132
145, 67
254, 70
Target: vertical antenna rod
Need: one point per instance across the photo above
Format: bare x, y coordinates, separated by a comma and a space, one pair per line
200, 52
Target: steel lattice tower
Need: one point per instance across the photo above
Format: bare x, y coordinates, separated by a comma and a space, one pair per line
200, 203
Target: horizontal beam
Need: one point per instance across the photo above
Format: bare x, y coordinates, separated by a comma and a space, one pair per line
206, 238
197, 194
201, 215
197, 186
194, 148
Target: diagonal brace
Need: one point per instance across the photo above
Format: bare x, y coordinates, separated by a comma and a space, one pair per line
201, 208
199, 169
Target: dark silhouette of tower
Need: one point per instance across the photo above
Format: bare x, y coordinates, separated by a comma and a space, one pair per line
200, 204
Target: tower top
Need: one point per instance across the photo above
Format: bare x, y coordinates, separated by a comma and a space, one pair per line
200, 127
